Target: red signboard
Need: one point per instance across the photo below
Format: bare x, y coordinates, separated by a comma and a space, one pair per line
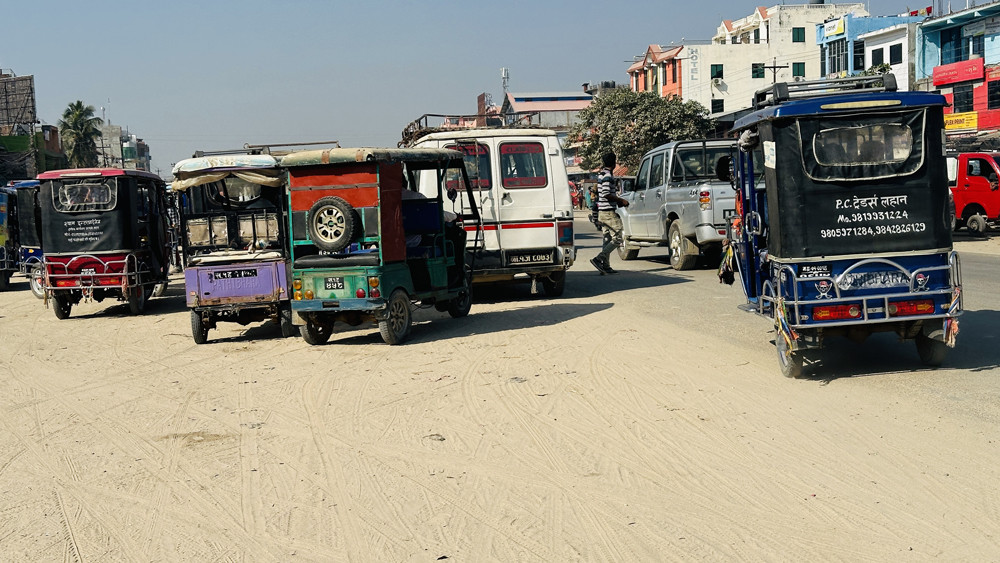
972, 69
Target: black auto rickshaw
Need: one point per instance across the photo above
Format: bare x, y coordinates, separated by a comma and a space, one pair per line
105, 234
842, 225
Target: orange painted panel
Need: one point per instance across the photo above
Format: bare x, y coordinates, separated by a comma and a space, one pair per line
302, 199
339, 174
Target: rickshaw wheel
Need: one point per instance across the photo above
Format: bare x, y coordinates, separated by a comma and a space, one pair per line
331, 223
199, 329
315, 334
159, 289
396, 325
931, 351
461, 304
4, 280
790, 362
679, 260
137, 300
35, 282
285, 321
61, 306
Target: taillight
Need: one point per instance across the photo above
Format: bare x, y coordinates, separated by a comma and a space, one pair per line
360, 293
836, 312
909, 308
565, 230
705, 200
109, 281
65, 283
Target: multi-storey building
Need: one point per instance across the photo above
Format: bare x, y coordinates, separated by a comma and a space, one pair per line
851, 44
959, 54
770, 45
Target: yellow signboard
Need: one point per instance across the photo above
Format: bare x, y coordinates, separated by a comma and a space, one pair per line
965, 120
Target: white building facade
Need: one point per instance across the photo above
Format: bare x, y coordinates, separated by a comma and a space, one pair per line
776, 44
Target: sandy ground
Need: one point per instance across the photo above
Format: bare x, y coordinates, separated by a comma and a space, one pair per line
638, 418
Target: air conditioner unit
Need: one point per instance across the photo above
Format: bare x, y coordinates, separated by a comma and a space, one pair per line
717, 82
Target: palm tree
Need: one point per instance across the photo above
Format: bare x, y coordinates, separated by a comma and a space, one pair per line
79, 130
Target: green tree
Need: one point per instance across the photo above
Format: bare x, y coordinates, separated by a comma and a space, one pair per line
79, 130
630, 123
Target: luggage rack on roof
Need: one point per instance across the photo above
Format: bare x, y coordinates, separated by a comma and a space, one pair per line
421, 126
263, 149
784, 91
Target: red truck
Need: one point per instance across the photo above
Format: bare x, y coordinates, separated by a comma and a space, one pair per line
972, 177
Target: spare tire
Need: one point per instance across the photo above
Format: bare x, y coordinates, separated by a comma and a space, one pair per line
333, 223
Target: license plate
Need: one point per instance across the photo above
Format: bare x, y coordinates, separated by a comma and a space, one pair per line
234, 274
530, 258
865, 280
333, 283
89, 271
727, 213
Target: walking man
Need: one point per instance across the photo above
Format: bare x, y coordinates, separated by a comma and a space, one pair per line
607, 202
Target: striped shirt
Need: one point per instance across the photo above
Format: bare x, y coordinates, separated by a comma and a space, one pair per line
605, 188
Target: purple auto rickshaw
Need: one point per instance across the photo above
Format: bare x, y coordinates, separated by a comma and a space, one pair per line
234, 240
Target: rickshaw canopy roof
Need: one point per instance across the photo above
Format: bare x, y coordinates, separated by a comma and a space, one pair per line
76, 173
224, 162
830, 105
349, 155
255, 168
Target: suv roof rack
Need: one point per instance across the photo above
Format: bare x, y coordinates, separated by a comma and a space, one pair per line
784, 91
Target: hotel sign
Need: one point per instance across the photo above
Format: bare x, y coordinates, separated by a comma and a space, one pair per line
964, 120
973, 69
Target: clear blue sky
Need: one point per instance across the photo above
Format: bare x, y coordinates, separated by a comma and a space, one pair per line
216, 74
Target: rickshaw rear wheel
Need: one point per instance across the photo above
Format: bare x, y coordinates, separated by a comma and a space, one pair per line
398, 318
285, 321
35, 282
159, 289
137, 300
316, 334
679, 260
62, 306
332, 223
461, 304
790, 362
5, 280
931, 351
199, 328
554, 284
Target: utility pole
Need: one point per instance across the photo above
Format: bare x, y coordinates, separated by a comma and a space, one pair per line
774, 66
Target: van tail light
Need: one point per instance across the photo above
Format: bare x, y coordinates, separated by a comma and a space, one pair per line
565, 230
910, 308
836, 312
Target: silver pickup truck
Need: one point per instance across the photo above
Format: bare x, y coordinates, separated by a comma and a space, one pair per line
677, 201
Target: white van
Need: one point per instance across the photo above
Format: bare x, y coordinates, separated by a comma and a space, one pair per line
524, 200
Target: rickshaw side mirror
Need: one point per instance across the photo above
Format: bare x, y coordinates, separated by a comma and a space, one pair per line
724, 169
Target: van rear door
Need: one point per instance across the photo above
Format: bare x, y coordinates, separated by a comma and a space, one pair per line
527, 180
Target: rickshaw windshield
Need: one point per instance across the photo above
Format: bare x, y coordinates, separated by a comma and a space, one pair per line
86, 195
862, 147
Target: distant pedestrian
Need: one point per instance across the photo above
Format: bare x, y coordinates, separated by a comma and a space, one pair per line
607, 201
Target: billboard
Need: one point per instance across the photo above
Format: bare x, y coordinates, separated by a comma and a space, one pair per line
17, 101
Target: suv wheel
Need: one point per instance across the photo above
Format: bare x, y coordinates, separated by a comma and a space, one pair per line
678, 259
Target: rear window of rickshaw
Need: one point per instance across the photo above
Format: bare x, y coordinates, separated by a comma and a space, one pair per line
89, 195
862, 147
522, 165
477, 166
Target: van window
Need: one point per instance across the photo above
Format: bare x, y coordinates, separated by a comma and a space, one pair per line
522, 165
86, 195
656, 171
477, 164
